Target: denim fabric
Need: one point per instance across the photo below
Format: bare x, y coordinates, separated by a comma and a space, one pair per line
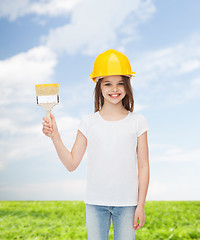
98, 220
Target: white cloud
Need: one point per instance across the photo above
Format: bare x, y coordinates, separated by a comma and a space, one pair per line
157, 146
94, 27
55, 190
13, 9
193, 89
19, 8
20, 73
18, 77
19, 111
174, 154
18, 133
53, 7
179, 189
10, 127
174, 171
169, 76
170, 62
18, 148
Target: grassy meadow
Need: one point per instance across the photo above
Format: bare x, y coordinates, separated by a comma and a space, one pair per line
65, 220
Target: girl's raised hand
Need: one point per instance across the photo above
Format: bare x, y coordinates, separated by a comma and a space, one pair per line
48, 130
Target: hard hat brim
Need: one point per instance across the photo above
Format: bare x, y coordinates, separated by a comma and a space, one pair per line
96, 79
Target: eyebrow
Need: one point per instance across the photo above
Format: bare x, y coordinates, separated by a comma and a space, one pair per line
109, 81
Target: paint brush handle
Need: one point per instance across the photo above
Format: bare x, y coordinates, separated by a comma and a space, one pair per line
48, 116
48, 107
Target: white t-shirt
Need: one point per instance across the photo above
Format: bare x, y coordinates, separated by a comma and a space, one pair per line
112, 174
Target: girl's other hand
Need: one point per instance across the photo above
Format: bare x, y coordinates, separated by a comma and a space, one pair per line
50, 130
139, 215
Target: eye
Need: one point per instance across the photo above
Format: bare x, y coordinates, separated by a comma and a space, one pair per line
109, 84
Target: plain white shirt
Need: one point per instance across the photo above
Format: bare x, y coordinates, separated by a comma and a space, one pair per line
112, 175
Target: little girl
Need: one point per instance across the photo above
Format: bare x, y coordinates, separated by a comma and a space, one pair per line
117, 152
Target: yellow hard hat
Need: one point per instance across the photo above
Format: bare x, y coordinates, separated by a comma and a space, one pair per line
111, 62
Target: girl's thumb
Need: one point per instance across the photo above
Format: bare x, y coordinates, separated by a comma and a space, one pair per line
52, 116
135, 222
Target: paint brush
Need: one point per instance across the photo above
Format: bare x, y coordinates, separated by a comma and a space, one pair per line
47, 96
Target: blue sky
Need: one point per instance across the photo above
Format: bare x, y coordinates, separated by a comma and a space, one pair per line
57, 42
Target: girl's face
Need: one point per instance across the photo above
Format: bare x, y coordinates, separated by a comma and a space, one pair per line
112, 88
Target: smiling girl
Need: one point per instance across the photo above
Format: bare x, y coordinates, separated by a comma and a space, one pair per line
117, 152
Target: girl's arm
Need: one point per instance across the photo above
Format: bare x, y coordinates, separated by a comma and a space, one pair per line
143, 175
143, 168
72, 159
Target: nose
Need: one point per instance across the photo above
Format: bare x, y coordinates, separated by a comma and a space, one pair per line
114, 89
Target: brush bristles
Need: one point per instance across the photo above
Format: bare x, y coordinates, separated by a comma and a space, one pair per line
47, 99
47, 89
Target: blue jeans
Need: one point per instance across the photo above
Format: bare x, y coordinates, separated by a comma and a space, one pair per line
98, 219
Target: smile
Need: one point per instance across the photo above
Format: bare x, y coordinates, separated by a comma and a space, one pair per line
114, 95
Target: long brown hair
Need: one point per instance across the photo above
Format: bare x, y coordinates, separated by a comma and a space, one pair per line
127, 101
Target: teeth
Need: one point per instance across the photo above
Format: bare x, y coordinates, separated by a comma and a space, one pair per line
114, 95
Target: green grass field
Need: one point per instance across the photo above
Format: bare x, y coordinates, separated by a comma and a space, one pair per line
65, 220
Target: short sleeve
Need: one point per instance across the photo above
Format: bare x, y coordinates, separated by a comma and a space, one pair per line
142, 125
83, 126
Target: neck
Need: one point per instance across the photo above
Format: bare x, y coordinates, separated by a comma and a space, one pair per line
113, 109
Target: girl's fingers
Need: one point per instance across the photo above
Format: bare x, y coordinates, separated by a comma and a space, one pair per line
47, 133
47, 129
47, 126
45, 119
